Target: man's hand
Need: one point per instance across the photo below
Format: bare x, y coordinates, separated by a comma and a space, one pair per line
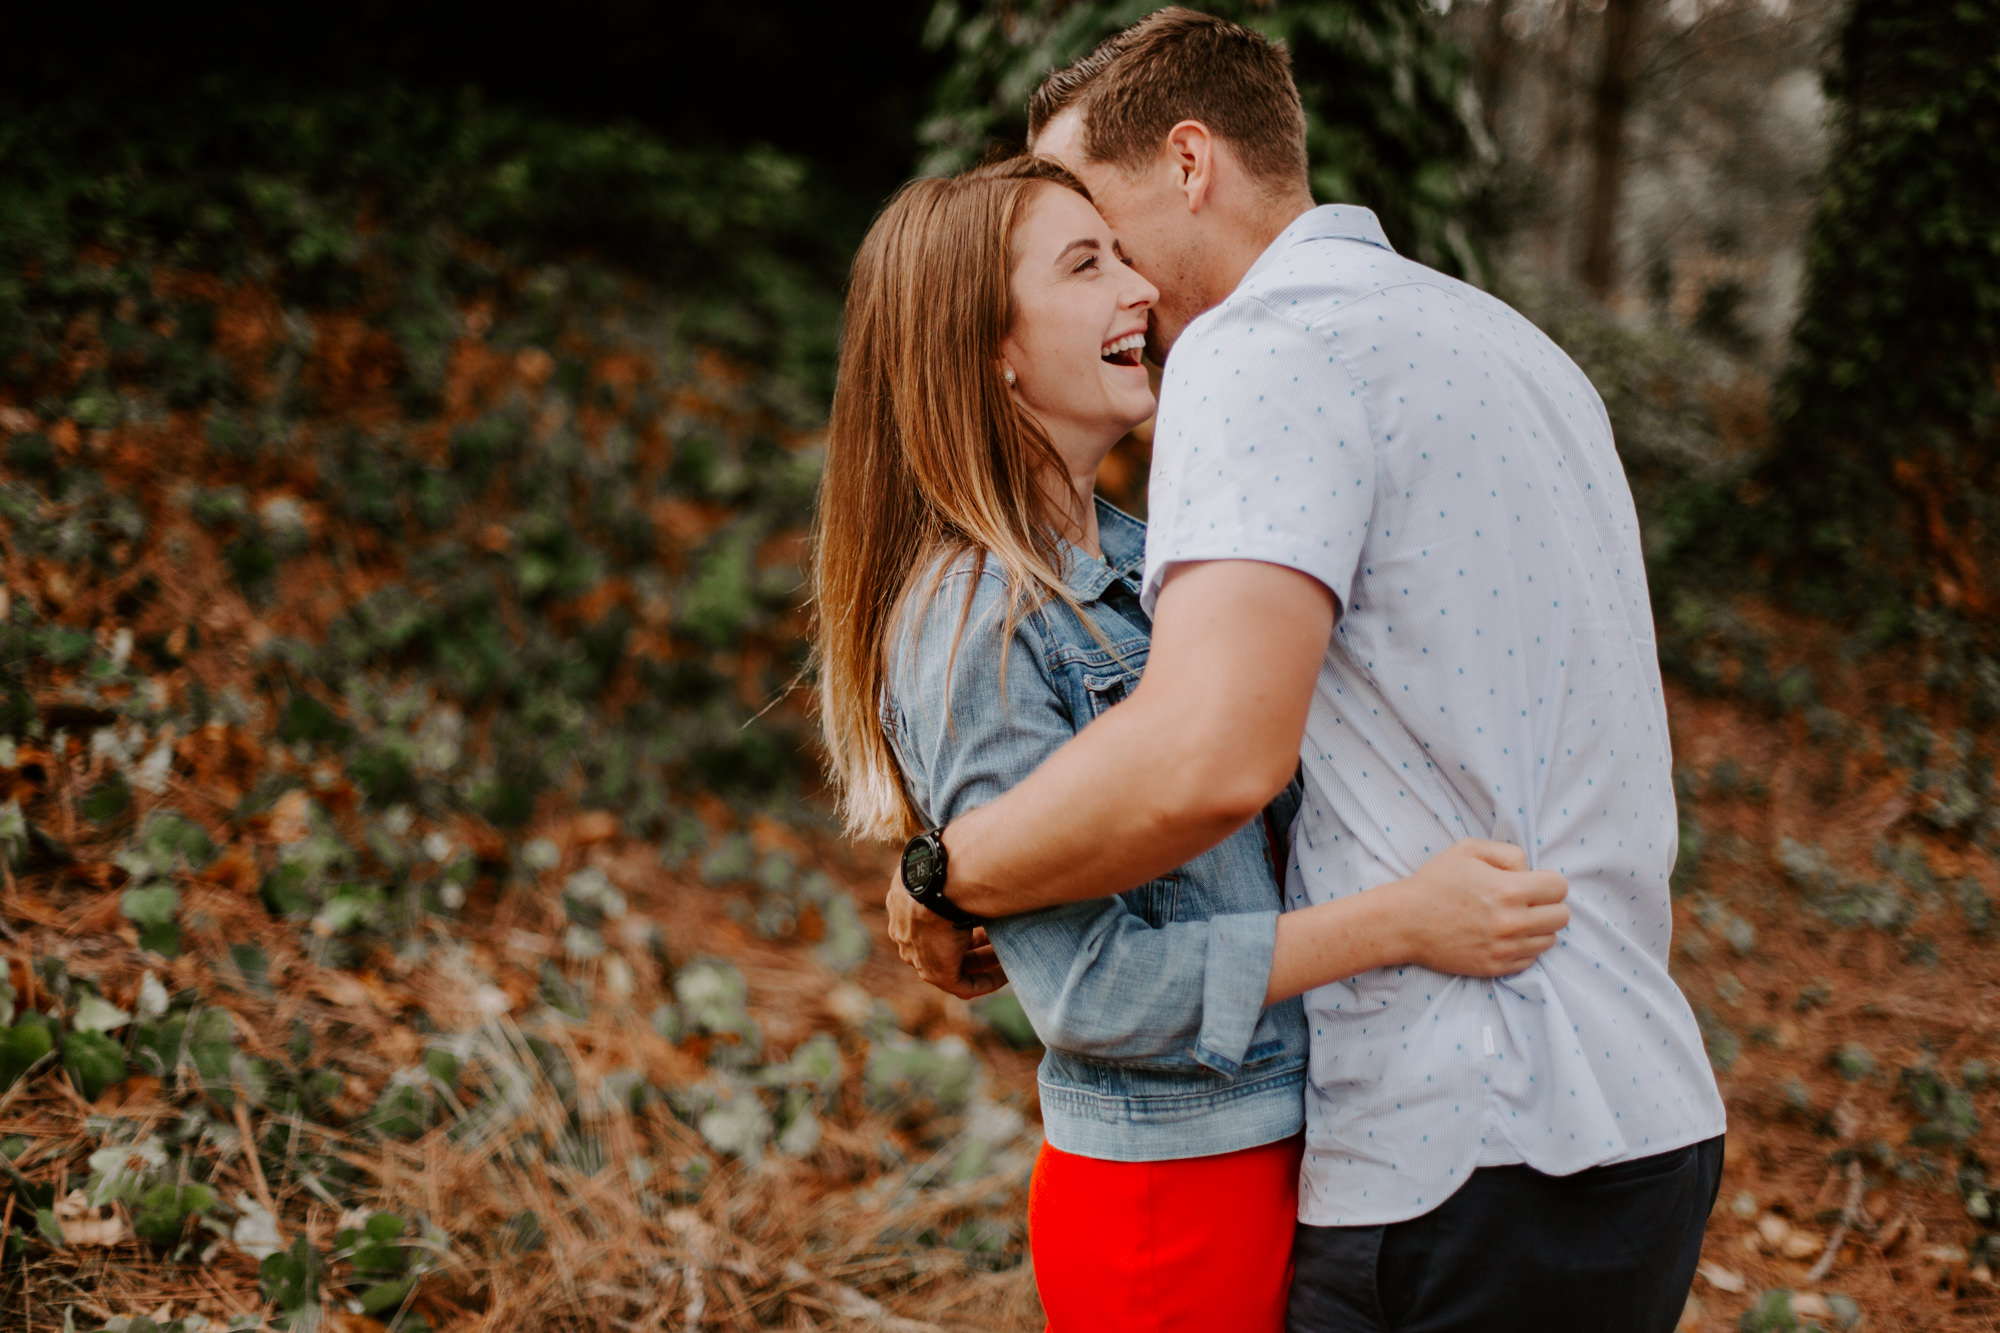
1476, 910
958, 962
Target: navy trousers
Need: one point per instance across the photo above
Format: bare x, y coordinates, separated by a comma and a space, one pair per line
1609, 1250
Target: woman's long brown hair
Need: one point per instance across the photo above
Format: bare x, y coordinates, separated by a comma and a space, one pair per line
927, 457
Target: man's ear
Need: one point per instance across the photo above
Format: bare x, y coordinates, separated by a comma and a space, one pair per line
1191, 149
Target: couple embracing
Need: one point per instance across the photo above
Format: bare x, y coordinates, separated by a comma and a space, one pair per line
1371, 716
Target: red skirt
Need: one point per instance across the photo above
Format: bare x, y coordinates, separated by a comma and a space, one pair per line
1188, 1246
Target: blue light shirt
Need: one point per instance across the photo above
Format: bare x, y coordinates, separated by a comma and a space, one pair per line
1440, 465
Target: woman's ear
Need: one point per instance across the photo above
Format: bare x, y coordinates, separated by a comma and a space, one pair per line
1007, 373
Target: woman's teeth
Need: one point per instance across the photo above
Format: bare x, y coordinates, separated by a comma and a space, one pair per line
1124, 351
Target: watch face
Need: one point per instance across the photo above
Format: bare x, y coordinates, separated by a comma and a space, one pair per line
920, 865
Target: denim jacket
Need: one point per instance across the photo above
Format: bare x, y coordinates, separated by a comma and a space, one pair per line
1150, 1003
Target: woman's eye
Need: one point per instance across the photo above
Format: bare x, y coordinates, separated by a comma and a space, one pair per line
1090, 261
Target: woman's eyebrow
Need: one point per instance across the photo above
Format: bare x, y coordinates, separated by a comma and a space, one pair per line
1081, 243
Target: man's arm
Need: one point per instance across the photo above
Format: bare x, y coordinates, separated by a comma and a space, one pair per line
1210, 735
1203, 743
1207, 738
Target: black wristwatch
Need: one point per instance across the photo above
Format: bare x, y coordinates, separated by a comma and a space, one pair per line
923, 878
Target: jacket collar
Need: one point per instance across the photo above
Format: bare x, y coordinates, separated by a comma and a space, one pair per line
1122, 538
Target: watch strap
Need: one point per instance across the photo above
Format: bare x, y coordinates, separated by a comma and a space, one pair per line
930, 891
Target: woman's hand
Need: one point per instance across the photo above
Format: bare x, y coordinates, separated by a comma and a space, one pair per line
958, 962
1476, 910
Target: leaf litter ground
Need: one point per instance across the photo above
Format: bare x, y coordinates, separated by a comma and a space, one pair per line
419, 913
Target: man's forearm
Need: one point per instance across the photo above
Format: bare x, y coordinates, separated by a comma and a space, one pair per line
1209, 736
1083, 825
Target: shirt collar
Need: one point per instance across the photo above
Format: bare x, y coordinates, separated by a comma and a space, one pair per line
1122, 538
1328, 222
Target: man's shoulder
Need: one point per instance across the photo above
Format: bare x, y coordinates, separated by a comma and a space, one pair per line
1335, 280
1327, 290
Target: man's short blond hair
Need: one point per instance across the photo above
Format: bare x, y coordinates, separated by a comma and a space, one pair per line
1175, 65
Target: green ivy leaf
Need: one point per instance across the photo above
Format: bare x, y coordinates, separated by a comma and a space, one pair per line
109, 798
290, 1279
386, 1296
163, 1210
94, 1062
375, 1248
170, 841
404, 1108
153, 908
32, 1037
50, 1229
212, 1048
287, 890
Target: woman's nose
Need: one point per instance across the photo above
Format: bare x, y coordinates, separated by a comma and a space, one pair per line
1142, 293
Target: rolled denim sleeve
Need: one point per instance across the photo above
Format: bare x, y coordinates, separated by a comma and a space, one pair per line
1095, 978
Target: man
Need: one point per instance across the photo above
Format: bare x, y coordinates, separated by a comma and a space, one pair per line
1391, 545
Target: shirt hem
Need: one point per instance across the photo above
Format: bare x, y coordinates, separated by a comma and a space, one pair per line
1376, 1214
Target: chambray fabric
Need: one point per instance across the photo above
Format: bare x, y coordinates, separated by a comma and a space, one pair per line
1151, 1003
1444, 469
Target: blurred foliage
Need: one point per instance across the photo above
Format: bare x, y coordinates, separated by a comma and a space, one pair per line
311, 291
349, 197
1883, 493
1392, 122
375, 495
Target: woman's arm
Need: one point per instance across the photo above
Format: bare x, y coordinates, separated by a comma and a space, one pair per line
1095, 979
1453, 911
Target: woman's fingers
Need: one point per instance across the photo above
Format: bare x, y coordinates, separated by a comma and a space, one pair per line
1541, 921
1543, 886
1504, 855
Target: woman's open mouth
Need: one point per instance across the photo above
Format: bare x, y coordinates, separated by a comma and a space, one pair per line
1125, 351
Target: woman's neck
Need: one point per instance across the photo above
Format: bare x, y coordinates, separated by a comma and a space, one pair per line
1075, 502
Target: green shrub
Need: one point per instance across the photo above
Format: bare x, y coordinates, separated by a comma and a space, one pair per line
1390, 120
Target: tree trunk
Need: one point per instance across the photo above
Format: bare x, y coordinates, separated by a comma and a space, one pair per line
1612, 98
1490, 58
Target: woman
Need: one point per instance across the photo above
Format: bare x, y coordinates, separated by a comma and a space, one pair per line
976, 606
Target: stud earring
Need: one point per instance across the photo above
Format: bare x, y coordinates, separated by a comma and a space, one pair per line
1008, 371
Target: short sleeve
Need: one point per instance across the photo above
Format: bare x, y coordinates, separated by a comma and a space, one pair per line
1263, 451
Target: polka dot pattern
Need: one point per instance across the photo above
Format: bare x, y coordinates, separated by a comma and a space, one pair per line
1450, 475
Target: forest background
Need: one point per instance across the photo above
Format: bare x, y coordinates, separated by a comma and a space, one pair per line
418, 900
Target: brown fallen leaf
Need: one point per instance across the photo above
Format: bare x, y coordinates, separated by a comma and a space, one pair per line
593, 826
289, 820
91, 1226
1726, 1280
1801, 1245
359, 990
1900, 1230
96, 874
235, 870
343, 1321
